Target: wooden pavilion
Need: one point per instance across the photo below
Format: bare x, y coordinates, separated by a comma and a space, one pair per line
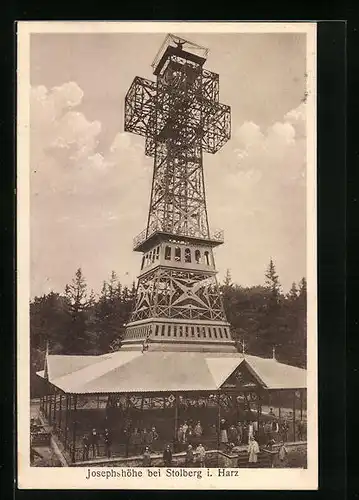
164, 388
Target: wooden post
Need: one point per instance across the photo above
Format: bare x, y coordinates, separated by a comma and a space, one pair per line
66, 419
218, 422
60, 414
259, 413
176, 418
294, 415
50, 409
74, 422
54, 417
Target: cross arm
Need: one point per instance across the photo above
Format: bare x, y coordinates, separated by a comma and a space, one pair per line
139, 105
217, 126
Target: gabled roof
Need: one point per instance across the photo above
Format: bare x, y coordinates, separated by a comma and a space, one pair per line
155, 371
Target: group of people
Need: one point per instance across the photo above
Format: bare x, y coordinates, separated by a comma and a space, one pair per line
190, 435
189, 431
139, 439
240, 433
91, 442
195, 456
254, 449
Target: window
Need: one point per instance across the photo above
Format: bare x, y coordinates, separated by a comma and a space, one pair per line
181, 331
168, 253
162, 330
168, 330
197, 256
175, 331
198, 332
178, 254
192, 331
204, 332
206, 256
157, 252
156, 330
143, 262
215, 332
187, 255
153, 255
186, 331
220, 333
209, 332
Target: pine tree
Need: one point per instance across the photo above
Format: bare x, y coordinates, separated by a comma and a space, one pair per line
272, 283
79, 336
293, 292
303, 288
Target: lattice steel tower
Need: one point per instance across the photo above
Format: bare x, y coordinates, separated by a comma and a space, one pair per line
178, 303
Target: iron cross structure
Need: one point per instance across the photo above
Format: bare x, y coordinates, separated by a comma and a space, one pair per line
178, 303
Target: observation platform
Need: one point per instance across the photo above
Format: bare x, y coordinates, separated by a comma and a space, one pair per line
147, 239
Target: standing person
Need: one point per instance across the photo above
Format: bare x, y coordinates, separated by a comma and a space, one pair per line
146, 459
300, 429
282, 454
201, 452
268, 431
146, 437
233, 435
189, 461
285, 428
261, 434
253, 451
185, 430
270, 451
245, 433
250, 431
190, 434
85, 447
108, 443
167, 456
223, 436
198, 431
275, 429
180, 435
239, 433
153, 436
94, 442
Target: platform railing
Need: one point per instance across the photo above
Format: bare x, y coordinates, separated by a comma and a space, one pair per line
215, 234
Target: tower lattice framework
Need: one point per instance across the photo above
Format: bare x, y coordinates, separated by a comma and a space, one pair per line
178, 302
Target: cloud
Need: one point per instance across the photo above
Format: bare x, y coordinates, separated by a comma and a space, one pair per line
85, 196
89, 199
258, 195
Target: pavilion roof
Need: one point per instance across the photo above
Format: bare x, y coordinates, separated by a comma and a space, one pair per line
155, 371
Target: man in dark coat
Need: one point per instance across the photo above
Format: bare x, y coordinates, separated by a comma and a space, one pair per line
94, 442
146, 460
167, 456
108, 443
189, 461
85, 447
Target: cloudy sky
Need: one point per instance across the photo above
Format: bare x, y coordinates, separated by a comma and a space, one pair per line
90, 181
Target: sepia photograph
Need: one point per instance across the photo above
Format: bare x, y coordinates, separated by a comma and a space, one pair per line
167, 255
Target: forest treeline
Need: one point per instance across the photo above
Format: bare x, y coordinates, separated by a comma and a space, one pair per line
77, 322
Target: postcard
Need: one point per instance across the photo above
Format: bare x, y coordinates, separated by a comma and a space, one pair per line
167, 294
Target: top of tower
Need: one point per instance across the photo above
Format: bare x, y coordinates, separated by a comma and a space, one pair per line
176, 45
